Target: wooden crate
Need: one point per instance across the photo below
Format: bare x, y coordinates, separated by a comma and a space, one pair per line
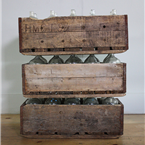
71, 121
73, 35
74, 80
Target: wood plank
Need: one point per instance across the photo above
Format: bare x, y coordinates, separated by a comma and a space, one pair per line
71, 32
73, 84
73, 95
42, 52
74, 24
77, 39
93, 120
72, 136
72, 70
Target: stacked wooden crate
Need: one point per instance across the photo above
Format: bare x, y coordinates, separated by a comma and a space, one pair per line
73, 35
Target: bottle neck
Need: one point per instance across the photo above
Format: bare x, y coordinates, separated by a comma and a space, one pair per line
38, 56
56, 56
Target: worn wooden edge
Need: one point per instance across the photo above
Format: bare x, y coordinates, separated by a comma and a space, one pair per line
21, 117
23, 79
122, 118
124, 77
71, 136
74, 52
20, 34
126, 30
74, 96
62, 17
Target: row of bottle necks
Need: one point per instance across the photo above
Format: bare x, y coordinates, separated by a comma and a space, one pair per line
110, 58
73, 101
73, 13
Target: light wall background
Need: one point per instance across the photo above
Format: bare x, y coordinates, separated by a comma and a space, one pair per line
12, 97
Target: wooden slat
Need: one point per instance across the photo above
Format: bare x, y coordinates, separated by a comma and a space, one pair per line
77, 39
73, 24
73, 70
99, 120
71, 32
73, 84
72, 136
73, 77
43, 52
74, 95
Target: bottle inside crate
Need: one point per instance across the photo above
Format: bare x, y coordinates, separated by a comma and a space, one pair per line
91, 101
34, 101
110, 101
38, 60
56, 60
73, 59
72, 101
91, 59
53, 101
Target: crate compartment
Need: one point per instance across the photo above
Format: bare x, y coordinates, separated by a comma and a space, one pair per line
73, 35
74, 80
72, 121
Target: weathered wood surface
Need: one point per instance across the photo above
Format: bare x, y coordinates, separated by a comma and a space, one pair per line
75, 79
55, 35
74, 95
72, 120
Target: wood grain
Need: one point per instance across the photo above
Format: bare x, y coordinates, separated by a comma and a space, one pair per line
77, 95
73, 32
72, 78
46, 51
69, 120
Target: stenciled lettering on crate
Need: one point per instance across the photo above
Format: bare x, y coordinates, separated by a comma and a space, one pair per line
105, 34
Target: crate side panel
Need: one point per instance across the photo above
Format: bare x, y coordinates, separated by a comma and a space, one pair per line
79, 31
75, 77
64, 120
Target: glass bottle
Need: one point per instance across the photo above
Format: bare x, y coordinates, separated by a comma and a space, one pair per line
34, 101
52, 14
43, 59
110, 101
73, 59
72, 101
73, 12
91, 59
53, 101
55, 14
113, 12
33, 15
56, 60
106, 58
37, 60
112, 59
92, 13
102, 99
91, 101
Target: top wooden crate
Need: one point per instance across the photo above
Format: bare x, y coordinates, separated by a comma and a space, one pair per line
73, 35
